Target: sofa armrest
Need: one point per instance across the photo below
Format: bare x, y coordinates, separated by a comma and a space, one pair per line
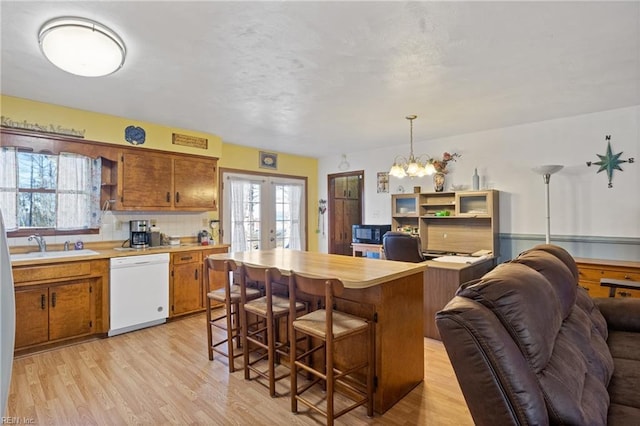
622, 314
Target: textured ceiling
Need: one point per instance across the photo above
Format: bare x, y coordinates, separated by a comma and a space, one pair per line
322, 78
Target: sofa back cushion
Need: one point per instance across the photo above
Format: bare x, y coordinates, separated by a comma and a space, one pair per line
534, 299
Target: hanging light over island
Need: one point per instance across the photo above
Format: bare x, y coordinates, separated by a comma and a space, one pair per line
411, 166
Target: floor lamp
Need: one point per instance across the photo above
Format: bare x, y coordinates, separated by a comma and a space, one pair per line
546, 172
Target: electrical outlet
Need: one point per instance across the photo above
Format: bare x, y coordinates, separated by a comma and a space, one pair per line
153, 222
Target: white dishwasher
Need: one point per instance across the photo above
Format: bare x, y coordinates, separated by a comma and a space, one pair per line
139, 292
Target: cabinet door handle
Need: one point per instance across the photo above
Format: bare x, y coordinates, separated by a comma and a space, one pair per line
627, 277
177, 197
196, 274
168, 197
186, 258
43, 302
53, 300
624, 293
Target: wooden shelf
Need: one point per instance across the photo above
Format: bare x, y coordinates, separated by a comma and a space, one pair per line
472, 223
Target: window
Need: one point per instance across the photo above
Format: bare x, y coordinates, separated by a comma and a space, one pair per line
48, 191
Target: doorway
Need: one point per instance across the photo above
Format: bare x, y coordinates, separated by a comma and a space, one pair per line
345, 197
263, 212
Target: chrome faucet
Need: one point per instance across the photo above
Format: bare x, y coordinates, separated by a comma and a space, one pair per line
42, 244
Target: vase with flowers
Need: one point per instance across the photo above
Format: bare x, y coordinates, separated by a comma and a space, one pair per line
440, 167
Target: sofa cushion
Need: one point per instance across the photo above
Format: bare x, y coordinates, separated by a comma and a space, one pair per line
556, 341
514, 292
556, 272
561, 254
586, 303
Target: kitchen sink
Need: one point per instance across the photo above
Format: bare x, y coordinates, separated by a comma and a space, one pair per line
52, 254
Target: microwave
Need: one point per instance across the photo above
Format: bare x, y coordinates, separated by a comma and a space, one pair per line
369, 234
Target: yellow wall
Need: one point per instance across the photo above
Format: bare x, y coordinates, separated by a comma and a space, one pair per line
101, 127
107, 128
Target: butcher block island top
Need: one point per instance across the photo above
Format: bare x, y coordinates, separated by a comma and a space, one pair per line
386, 292
354, 272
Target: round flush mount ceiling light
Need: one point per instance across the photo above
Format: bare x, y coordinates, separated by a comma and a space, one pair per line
81, 46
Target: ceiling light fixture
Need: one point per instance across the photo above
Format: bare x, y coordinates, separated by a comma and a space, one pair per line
411, 166
344, 164
81, 46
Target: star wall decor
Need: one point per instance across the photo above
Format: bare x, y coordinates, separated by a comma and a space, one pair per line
610, 161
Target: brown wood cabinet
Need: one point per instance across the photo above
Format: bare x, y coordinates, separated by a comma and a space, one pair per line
441, 281
470, 221
590, 271
150, 181
345, 210
185, 286
145, 182
189, 284
58, 302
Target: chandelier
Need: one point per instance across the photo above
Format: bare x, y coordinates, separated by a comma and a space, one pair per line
411, 166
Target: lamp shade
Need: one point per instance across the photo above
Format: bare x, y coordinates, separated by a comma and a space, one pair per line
81, 46
548, 169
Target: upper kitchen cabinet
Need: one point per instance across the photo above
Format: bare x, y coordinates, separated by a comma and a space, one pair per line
135, 178
145, 182
195, 183
153, 181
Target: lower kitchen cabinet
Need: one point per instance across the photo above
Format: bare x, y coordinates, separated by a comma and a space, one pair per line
185, 285
188, 285
53, 313
60, 302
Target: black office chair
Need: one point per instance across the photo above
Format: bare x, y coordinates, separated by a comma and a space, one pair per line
402, 246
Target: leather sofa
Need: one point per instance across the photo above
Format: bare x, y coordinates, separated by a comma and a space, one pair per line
530, 347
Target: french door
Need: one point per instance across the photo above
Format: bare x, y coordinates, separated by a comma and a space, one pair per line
263, 212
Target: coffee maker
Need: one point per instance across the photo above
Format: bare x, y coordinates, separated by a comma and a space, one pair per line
139, 238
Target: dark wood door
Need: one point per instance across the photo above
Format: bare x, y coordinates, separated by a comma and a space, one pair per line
344, 209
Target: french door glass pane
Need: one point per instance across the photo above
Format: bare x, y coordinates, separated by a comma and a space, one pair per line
251, 217
262, 214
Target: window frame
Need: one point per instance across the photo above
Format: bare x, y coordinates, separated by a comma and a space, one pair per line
42, 143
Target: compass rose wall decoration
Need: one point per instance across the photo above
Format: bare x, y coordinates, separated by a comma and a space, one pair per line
610, 161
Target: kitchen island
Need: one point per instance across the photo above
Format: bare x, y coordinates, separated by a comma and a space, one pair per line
388, 293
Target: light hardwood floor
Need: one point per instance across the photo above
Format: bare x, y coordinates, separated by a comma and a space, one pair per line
161, 375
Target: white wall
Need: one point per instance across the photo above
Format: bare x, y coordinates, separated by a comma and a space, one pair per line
581, 203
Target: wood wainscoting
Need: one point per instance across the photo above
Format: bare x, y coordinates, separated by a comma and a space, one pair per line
162, 375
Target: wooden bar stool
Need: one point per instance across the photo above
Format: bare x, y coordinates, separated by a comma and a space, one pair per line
264, 340
328, 326
228, 321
